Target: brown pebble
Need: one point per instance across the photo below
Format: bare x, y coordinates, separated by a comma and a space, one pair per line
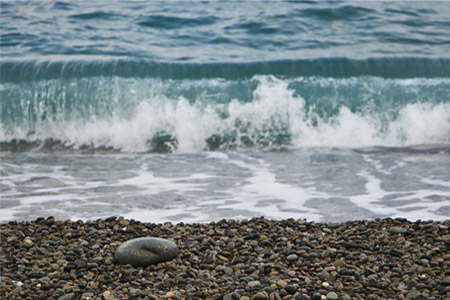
260, 295
170, 294
222, 258
325, 274
231, 245
340, 263
124, 222
282, 283
11, 239
106, 294
277, 296
160, 285
207, 266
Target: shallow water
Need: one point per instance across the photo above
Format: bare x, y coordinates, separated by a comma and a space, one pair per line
317, 184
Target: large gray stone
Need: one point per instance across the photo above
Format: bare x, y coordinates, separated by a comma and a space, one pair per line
142, 252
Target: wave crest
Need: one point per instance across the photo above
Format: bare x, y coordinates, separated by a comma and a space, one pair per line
274, 117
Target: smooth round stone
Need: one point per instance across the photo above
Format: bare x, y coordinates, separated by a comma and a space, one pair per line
254, 284
142, 252
332, 296
396, 229
291, 289
292, 257
228, 297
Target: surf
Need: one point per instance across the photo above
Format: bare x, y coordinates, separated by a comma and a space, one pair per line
263, 113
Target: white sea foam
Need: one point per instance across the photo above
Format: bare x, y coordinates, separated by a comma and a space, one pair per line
330, 185
275, 113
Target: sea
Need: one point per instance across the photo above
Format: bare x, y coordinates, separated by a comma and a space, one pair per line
198, 111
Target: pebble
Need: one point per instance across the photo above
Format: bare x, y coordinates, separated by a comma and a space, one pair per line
291, 289
396, 229
281, 282
327, 230
135, 291
340, 263
292, 257
260, 295
228, 297
332, 296
69, 296
170, 294
106, 294
160, 285
254, 284
87, 296
145, 251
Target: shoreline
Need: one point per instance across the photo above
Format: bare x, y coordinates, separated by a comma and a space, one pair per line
229, 259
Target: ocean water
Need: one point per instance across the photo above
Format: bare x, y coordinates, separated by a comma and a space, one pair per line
188, 111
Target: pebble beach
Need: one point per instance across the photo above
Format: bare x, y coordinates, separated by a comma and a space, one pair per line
224, 150
228, 259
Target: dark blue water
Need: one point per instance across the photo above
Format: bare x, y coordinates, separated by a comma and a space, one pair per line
288, 96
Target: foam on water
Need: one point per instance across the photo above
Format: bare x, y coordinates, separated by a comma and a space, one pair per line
261, 192
277, 116
200, 187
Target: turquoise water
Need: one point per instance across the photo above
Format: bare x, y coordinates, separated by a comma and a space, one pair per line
256, 88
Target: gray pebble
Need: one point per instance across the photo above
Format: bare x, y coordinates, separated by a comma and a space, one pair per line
135, 292
254, 284
142, 252
97, 259
87, 296
396, 229
332, 296
228, 271
292, 257
228, 297
327, 230
67, 296
61, 262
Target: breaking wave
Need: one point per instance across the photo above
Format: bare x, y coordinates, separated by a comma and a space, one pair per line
263, 112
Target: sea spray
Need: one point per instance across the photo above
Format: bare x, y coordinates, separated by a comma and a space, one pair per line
154, 115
